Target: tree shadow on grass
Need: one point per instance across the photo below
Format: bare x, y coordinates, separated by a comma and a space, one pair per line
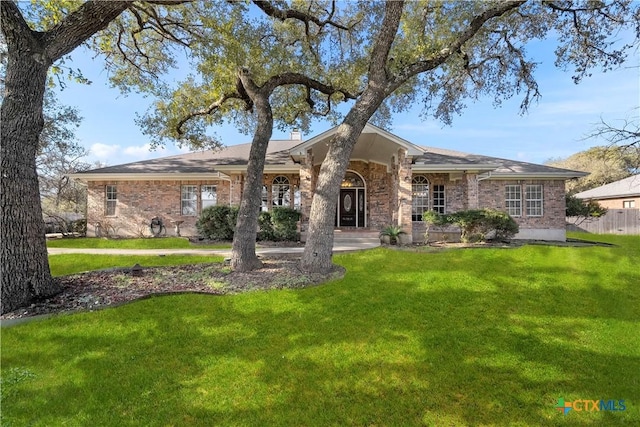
400, 347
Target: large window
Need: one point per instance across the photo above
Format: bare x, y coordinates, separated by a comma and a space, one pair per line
111, 200
513, 200
420, 197
534, 200
189, 200
264, 206
628, 204
438, 198
281, 191
297, 198
208, 196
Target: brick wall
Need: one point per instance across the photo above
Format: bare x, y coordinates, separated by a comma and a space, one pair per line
462, 194
492, 194
617, 203
139, 201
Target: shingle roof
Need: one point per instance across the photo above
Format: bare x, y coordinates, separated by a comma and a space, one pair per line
434, 155
279, 154
627, 187
202, 161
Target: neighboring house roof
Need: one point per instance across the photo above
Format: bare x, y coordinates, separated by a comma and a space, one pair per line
283, 155
628, 187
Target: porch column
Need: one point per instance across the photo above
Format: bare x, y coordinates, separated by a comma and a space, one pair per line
404, 196
472, 190
306, 188
236, 189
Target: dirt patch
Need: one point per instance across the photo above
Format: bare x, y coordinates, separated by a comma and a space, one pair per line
99, 289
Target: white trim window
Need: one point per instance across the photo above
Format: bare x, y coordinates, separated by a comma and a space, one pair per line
110, 200
628, 204
513, 200
419, 197
439, 199
534, 200
280, 191
189, 200
264, 204
208, 196
297, 198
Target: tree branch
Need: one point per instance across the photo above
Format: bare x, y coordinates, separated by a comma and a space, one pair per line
474, 26
79, 25
214, 106
283, 14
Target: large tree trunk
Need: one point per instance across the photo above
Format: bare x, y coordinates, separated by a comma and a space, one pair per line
243, 251
318, 249
23, 251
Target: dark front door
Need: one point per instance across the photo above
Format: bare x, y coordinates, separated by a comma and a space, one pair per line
348, 206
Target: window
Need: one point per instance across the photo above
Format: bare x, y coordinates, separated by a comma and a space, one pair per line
419, 196
208, 196
263, 205
628, 204
111, 199
513, 200
438, 198
297, 198
534, 199
189, 205
281, 191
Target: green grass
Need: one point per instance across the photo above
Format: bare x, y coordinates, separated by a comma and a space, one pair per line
151, 243
455, 338
62, 265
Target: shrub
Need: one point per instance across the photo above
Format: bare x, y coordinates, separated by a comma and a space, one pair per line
266, 227
217, 222
582, 210
501, 224
476, 224
393, 232
285, 223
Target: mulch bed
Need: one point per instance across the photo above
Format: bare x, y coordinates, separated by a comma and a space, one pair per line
99, 289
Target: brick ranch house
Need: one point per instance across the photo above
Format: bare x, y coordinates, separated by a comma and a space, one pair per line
389, 181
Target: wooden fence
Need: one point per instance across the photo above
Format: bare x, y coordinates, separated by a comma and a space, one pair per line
615, 221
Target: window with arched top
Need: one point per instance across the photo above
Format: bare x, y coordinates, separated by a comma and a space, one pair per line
281, 191
420, 197
352, 179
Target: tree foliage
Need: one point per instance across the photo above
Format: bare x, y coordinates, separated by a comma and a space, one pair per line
447, 53
59, 155
605, 165
582, 210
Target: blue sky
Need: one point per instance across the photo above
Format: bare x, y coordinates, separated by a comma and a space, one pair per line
554, 127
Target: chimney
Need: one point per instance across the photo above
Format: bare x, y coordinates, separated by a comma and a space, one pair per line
296, 135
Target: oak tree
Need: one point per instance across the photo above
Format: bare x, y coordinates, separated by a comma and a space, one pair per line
263, 71
38, 36
448, 52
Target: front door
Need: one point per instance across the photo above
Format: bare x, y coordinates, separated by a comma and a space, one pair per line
348, 207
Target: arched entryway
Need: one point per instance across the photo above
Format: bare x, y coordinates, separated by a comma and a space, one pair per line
352, 204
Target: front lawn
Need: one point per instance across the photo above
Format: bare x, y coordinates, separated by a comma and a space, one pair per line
458, 337
62, 265
150, 243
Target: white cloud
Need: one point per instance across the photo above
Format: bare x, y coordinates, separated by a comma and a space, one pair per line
103, 152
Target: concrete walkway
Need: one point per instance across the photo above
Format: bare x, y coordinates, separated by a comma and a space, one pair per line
339, 247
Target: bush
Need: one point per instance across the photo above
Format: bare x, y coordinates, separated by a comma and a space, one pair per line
476, 224
285, 223
217, 222
266, 227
